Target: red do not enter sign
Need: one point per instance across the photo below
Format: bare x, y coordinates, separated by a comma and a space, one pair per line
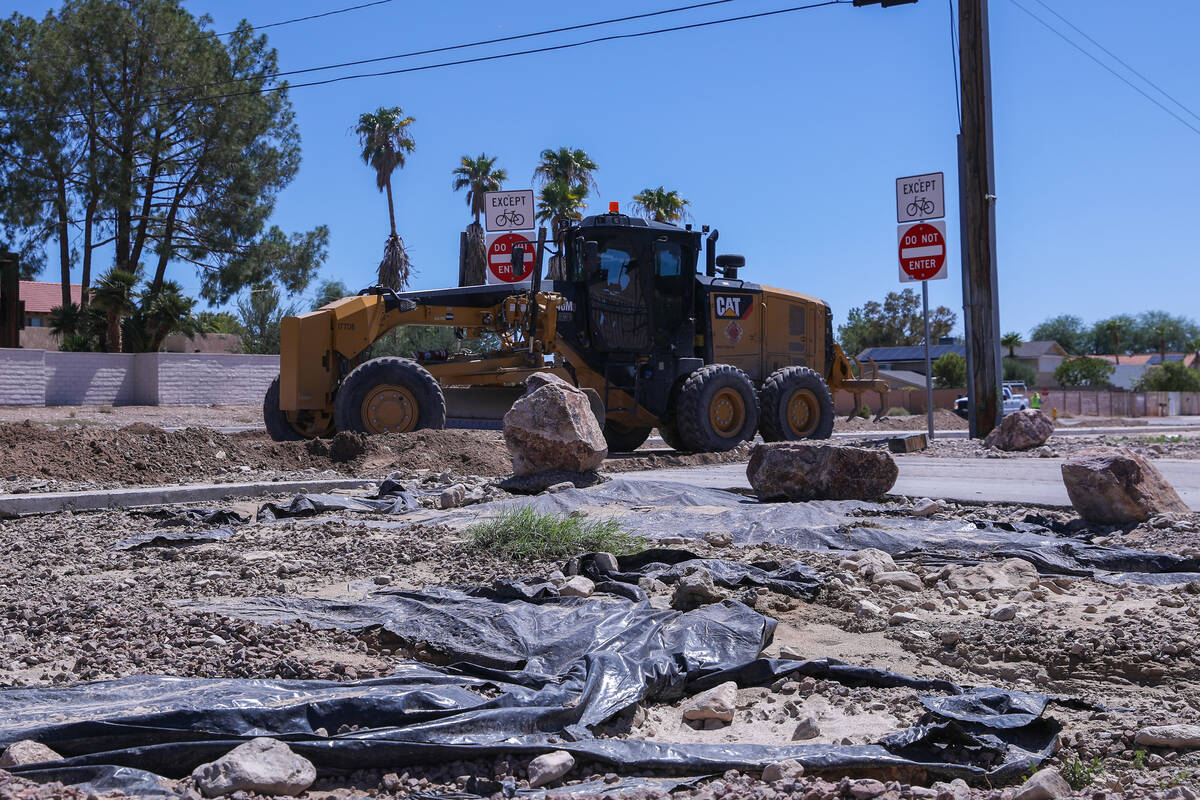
499, 258
922, 250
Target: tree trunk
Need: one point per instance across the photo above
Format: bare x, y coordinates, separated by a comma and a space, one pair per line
112, 338
391, 207
475, 273
64, 241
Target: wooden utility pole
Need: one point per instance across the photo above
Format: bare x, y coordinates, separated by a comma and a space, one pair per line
977, 207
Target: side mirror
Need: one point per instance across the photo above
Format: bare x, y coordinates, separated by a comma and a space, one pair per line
591, 256
518, 261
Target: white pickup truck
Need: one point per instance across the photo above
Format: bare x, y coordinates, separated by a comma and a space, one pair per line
1014, 399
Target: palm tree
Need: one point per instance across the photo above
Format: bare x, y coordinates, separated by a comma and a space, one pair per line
165, 312
114, 296
572, 168
559, 202
661, 205
1011, 340
478, 176
385, 142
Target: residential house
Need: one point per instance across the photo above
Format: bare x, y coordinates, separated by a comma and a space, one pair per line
1043, 357
1130, 367
40, 298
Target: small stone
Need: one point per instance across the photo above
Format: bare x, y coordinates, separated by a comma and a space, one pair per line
452, 496
262, 765
903, 619
383, 580
1003, 613
949, 638
866, 608
549, 767
901, 578
717, 703
868, 561
925, 507
27, 751
605, 562
806, 728
694, 589
719, 538
577, 586
1178, 737
783, 771
214, 641
865, 788
1045, 784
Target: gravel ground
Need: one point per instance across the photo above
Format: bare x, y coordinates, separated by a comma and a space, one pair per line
72, 608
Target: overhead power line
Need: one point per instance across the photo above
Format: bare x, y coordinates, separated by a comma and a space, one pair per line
1118, 75
465, 45
213, 34
495, 56
1118, 59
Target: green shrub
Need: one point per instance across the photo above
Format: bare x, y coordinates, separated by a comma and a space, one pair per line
896, 411
522, 533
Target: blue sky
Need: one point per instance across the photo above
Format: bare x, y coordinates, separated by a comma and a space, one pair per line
786, 133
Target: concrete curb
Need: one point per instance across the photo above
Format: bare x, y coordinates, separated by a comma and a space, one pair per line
24, 505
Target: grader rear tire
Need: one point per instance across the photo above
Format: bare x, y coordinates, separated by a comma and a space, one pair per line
293, 426
717, 409
389, 395
795, 404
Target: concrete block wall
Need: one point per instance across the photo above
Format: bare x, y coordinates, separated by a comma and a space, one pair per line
52, 378
204, 378
22, 377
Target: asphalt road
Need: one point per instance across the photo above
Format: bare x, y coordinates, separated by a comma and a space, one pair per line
1035, 481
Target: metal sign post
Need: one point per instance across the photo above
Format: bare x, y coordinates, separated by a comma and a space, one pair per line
922, 250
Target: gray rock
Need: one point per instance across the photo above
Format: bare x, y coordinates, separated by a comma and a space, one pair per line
901, 578
1114, 486
1003, 613
265, 766
719, 538
903, 618
717, 703
27, 751
577, 586
925, 507
452, 496
552, 427
783, 771
1178, 737
549, 767
1045, 784
866, 608
798, 471
694, 589
868, 561
806, 728
605, 562
1012, 573
865, 788
1020, 430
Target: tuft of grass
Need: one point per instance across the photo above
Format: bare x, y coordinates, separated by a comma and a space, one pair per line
1139, 759
105, 409
897, 411
865, 411
1080, 774
522, 533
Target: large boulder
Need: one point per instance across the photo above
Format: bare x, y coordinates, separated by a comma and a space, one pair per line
1113, 486
800, 471
553, 427
1021, 430
263, 766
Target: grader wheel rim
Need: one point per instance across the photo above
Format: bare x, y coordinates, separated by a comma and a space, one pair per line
727, 413
803, 413
310, 424
390, 409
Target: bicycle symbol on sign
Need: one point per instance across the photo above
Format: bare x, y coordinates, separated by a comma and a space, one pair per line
922, 206
510, 219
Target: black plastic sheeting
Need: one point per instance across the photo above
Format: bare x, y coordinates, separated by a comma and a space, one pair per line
161, 538
794, 579
525, 677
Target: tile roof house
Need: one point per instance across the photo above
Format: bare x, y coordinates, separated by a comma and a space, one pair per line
40, 297
1043, 357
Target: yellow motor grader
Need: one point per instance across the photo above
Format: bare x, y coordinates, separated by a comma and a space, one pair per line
645, 316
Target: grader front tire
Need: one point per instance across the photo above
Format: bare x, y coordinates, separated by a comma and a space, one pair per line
795, 404
389, 395
717, 409
292, 426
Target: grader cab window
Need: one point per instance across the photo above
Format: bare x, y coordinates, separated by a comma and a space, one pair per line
617, 299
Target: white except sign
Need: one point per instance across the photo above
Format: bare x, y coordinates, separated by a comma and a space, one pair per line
922, 250
509, 211
499, 257
920, 197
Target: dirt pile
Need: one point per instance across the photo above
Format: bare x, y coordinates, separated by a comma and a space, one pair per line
943, 420
143, 454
